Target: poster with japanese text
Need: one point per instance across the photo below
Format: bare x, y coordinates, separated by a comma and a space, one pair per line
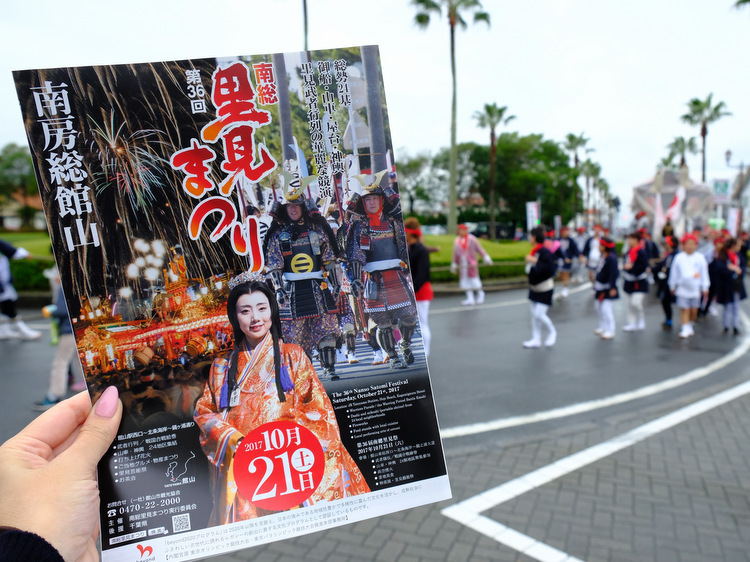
230, 242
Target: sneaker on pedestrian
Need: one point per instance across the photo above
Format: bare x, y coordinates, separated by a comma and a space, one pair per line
641, 324
551, 339
26, 332
685, 331
532, 343
351, 357
629, 328
598, 332
736, 332
480, 297
468, 301
45, 404
8, 333
607, 335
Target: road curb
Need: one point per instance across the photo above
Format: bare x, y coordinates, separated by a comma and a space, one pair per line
489, 285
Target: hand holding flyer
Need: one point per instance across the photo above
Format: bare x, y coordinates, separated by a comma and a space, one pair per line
47, 473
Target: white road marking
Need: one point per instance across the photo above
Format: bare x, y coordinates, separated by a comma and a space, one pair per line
502, 304
468, 512
581, 407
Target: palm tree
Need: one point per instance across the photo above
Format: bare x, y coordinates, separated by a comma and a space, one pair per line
703, 112
604, 196
491, 117
454, 9
681, 145
572, 144
666, 162
741, 3
590, 171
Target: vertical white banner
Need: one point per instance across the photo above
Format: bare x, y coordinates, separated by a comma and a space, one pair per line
532, 215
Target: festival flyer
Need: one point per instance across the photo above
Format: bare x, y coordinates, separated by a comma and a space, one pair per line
231, 247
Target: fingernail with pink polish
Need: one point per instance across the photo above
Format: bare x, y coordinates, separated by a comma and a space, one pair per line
107, 404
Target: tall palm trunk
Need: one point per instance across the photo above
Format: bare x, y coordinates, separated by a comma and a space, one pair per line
452, 210
704, 132
493, 203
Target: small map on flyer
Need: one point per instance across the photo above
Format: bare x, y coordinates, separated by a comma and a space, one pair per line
230, 241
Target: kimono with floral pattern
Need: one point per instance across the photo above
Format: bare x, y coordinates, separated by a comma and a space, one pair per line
307, 404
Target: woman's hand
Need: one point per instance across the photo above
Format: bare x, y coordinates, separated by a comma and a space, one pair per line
48, 473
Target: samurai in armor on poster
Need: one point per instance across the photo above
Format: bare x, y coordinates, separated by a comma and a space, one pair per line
300, 256
376, 252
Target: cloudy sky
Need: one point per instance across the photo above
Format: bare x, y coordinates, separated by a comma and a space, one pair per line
618, 72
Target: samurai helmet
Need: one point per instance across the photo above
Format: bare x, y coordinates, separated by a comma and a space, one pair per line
292, 184
371, 182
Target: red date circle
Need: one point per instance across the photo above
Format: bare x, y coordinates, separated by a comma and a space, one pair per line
279, 465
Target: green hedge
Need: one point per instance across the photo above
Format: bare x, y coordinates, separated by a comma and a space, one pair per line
28, 275
495, 271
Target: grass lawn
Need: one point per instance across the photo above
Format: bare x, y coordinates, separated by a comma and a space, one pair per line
37, 243
506, 250
501, 252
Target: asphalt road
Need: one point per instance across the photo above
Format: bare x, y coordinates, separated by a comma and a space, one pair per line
479, 370
538, 406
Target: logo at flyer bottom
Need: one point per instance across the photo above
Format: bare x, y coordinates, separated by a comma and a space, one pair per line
279, 465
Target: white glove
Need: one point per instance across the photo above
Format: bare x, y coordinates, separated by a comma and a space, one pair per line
487, 259
454, 268
21, 254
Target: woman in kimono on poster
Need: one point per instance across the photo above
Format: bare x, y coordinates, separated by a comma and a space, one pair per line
265, 380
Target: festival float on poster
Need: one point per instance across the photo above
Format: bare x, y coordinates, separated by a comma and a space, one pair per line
173, 187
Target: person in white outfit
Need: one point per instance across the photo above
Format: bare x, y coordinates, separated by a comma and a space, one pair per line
466, 248
11, 324
689, 282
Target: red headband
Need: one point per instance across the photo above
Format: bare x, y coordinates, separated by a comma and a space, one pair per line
414, 231
689, 237
607, 243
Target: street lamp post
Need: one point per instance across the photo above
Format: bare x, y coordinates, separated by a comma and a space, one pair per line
740, 180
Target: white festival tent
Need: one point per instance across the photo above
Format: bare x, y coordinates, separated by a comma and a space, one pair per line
663, 196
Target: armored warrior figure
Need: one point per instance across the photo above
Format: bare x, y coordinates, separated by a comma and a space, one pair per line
355, 321
300, 255
375, 252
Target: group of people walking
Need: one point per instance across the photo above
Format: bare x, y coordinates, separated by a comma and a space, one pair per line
692, 273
